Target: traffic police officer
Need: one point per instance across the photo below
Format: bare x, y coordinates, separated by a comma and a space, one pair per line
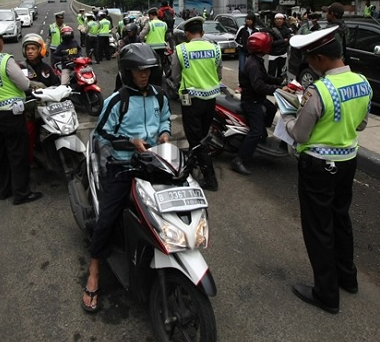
325, 129
14, 142
81, 19
154, 33
54, 36
197, 69
103, 38
92, 29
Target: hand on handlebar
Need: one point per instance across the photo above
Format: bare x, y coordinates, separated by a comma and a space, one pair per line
163, 138
139, 144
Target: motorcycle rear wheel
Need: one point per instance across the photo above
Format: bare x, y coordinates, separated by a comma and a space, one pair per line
94, 102
190, 311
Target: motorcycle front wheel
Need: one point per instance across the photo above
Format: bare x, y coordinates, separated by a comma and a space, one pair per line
191, 317
94, 102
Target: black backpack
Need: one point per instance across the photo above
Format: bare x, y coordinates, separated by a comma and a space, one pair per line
168, 18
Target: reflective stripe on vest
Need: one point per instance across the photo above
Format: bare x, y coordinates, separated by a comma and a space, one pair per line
156, 35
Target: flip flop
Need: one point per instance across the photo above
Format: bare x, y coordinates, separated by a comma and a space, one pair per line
91, 308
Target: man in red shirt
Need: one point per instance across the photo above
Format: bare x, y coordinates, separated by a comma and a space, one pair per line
167, 14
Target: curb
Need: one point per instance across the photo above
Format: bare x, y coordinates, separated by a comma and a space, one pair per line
369, 162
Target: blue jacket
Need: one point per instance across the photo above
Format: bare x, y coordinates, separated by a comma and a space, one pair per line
143, 120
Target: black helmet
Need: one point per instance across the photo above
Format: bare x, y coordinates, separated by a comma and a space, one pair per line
139, 56
132, 27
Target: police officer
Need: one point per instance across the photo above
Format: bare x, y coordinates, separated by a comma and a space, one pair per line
154, 33
54, 35
92, 29
81, 19
197, 68
14, 145
332, 110
103, 38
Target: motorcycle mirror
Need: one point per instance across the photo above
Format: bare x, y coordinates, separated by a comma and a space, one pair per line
123, 145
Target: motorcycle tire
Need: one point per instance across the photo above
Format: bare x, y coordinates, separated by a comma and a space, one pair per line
94, 102
190, 310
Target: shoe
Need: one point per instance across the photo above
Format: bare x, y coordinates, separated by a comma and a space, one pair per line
4, 197
238, 166
209, 185
350, 289
91, 308
305, 293
33, 196
238, 90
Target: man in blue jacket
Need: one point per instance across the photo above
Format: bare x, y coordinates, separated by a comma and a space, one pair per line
145, 122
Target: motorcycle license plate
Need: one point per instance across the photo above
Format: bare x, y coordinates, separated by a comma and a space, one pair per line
60, 107
180, 199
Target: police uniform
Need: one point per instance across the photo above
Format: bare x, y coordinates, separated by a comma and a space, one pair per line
196, 67
333, 109
14, 160
103, 39
81, 26
54, 36
154, 33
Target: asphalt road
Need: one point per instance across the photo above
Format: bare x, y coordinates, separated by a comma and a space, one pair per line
256, 254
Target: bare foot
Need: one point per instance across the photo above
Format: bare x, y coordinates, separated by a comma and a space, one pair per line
91, 292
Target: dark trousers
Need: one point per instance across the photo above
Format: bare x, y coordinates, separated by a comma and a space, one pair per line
103, 48
258, 119
197, 120
325, 199
116, 188
14, 156
92, 44
275, 66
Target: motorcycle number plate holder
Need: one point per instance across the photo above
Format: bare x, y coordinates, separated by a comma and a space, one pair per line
180, 199
60, 107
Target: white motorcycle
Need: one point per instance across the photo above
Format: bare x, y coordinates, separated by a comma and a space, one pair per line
155, 244
57, 147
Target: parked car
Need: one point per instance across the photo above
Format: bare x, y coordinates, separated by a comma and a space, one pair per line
232, 21
10, 25
25, 16
62, 0
213, 31
51, 1
362, 55
31, 5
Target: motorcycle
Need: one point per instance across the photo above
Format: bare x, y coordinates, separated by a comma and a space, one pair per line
57, 147
86, 93
155, 245
229, 128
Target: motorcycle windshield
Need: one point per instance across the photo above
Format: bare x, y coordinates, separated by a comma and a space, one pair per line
170, 153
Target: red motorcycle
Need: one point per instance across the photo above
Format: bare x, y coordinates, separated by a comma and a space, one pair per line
86, 93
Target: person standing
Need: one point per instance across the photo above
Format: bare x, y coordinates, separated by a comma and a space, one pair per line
256, 84
143, 123
369, 9
241, 39
280, 45
334, 16
103, 38
34, 49
154, 33
54, 35
92, 29
14, 145
81, 19
325, 129
167, 15
197, 69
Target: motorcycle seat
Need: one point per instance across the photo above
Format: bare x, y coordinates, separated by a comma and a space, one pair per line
230, 103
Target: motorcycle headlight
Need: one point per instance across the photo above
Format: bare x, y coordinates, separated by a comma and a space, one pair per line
201, 234
173, 238
66, 129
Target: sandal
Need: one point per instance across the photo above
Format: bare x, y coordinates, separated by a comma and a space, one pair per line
91, 308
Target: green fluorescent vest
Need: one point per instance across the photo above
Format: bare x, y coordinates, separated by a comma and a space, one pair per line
55, 35
80, 20
346, 100
156, 35
9, 93
199, 61
92, 28
104, 27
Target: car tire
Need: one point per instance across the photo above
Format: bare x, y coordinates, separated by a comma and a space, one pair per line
307, 76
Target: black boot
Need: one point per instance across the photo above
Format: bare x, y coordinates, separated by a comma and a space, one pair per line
205, 164
238, 166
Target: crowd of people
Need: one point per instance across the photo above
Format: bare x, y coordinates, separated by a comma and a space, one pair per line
324, 129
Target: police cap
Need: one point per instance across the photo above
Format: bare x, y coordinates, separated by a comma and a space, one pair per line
336, 8
153, 11
313, 41
193, 22
60, 15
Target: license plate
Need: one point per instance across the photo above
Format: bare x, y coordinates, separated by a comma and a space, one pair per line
60, 107
180, 199
229, 50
